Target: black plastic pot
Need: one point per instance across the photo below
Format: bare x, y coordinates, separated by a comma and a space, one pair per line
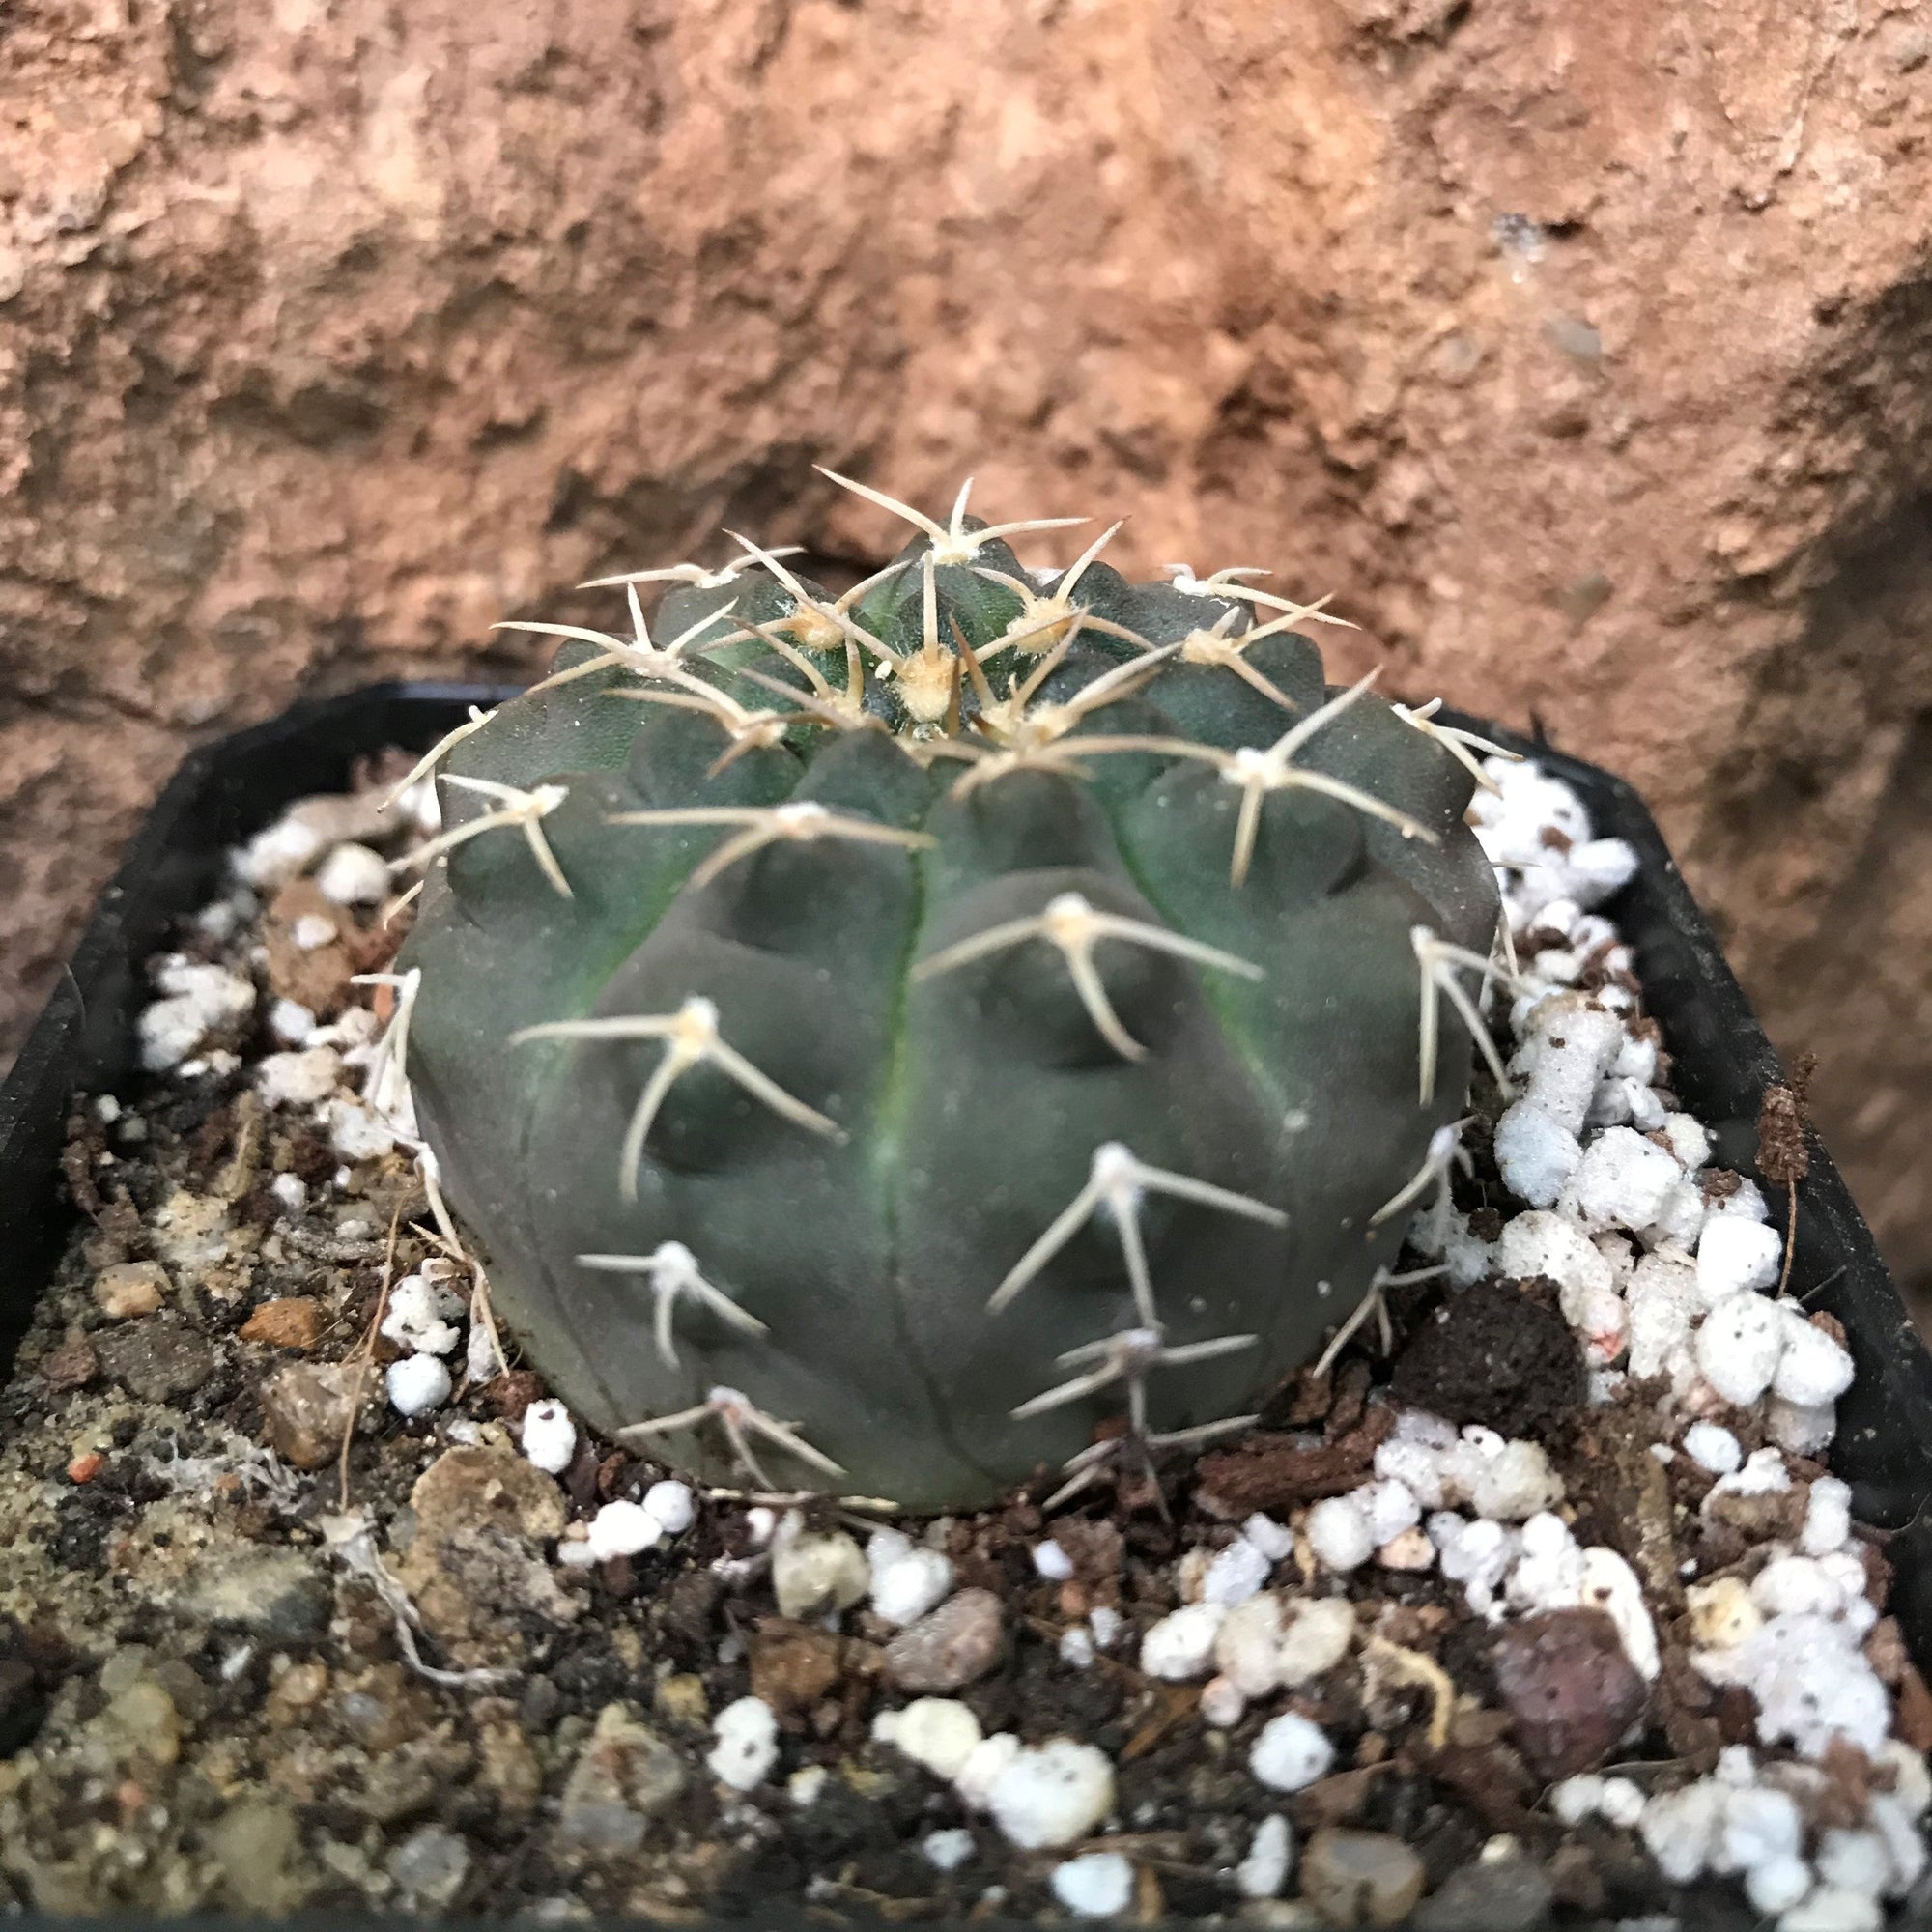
84, 1042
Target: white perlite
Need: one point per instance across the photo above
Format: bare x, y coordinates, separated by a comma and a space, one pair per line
1179, 1647
198, 1001
746, 1744
417, 1384
623, 1529
673, 1505
1736, 1257
1051, 1794
948, 1849
1534, 1154
418, 1316
1263, 1872
939, 1733
1266, 1645
1236, 1572
353, 875
907, 1579
1097, 1884
1289, 1753
1339, 1533
298, 1079
1713, 1448
1739, 1344
549, 1436
813, 1572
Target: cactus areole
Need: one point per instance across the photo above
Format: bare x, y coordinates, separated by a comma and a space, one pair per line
890, 1044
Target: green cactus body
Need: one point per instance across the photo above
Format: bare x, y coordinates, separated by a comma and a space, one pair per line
931, 1108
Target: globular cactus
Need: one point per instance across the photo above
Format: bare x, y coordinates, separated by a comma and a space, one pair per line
893, 1043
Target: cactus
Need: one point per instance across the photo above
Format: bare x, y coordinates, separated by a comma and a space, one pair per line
893, 1042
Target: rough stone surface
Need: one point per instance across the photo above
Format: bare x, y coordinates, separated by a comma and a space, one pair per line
333, 335
129, 1289
1506, 1893
949, 1647
306, 1411
476, 1567
256, 1847
1571, 1689
156, 1359
623, 1777
275, 1593
294, 1321
1360, 1878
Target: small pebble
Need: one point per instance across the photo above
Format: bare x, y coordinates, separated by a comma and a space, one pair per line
130, 1289
949, 1647
549, 1436
1565, 1679
1504, 1890
430, 1865
815, 1572
1360, 1878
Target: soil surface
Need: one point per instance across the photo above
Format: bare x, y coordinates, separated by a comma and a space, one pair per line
1580, 354
268, 1641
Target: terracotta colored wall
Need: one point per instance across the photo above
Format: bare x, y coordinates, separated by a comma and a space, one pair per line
1582, 352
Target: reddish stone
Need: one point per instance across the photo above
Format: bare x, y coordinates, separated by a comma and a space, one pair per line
1570, 1687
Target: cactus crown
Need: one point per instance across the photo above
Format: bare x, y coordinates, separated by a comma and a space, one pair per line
898, 1036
